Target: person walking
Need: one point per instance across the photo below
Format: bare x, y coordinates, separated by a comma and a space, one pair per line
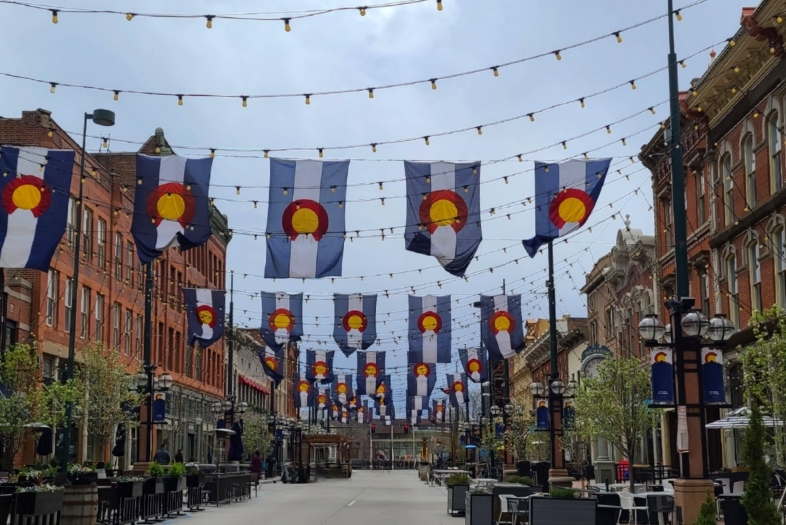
162, 457
256, 467
179, 456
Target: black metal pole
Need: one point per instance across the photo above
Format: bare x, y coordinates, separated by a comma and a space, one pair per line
231, 363
555, 463
147, 344
3, 312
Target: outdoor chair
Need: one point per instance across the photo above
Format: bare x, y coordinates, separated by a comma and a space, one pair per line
628, 502
518, 507
504, 508
663, 506
739, 486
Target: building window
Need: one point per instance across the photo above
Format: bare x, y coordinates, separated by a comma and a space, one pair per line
728, 188
130, 262
705, 292
610, 324
188, 351
101, 242
667, 222
170, 349
71, 224
138, 337
774, 140
701, 205
51, 298
115, 326
99, 333
779, 238
118, 257
127, 333
754, 271
11, 331
69, 298
750, 170
198, 363
87, 234
731, 281
84, 308
594, 332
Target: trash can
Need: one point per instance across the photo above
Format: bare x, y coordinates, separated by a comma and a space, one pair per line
270, 469
524, 469
542, 474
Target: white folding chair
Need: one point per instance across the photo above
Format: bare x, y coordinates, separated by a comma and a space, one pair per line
518, 506
503, 506
739, 486
628, 502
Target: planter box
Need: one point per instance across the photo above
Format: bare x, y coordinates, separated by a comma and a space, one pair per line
508, 488
480, 509
130, 490
456, 495
153, 486
545, 510
195, 480
86, 478
38, 503
174, 484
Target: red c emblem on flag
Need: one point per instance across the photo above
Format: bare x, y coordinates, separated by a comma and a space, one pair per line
27, 192
341, 388
171, 201
502, 322
307, 217
355, 320
422, 369
271, 362
206, 315
443, 208
474, 366
371, 370
281, 319
570, 205
303, 386
429, 321
320, 369
458, 386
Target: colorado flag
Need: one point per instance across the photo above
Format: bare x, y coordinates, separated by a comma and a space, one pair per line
443, 212
205, 314
282, 318
342, 388
34, 193
565, 195
458, 389
170, 204
355, 321
501, 325
475, 364
371, 368
438, 411
303, 391
429, 329
272, 363
421, 379
319, 365
305, 218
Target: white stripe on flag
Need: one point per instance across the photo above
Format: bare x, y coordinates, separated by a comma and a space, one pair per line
303, 250
303, 398
472, 353
320, 355
429, 336
371, 381
460, 397
20, 232
172, 168
443, 240
572, 174
204, 296
503, 336
355, 337
281, 334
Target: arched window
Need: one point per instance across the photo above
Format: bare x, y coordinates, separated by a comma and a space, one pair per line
775, 142
778, 247
735, 385
731, 285
728, 189
754, 272
750, 170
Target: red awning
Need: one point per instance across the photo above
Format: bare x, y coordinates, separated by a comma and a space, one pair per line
253, 384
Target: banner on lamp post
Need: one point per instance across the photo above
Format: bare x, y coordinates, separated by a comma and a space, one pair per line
159, 409
662, 369
542, 415
712, 376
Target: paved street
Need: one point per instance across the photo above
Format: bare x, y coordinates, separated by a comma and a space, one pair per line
378, 497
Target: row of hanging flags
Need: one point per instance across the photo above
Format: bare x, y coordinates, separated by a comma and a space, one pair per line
305, 239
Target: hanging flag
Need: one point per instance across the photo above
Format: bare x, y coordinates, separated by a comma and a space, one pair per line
429, 329
443, 212
319, 365
568, 414
344, 415
438, 411
390, 417
662, 376
342, 388
355, 322
282, 318
475, 364
304, 392
352, 403
335, 410
364, 416
305, 218
384, 392
371, 368
417, 403
458, 389
421, 379
272, 363
170, 204
205, 315
414, 417
34, 193
712, 376
542, 415
501, 326
565, 195
322, 398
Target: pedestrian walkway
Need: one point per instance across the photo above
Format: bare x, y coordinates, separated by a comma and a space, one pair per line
378, 497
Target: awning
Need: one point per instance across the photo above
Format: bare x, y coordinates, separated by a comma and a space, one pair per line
252, 384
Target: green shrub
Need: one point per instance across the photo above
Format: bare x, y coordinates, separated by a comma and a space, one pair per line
457, 479
521, 480
177, 470
155, 471
707, 512
563, 493
757, 496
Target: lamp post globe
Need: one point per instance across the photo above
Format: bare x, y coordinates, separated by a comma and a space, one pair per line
721, 328
166, 381
570, 390
494, 410
558, 387
537, 389
695, 324
651, 328
508, 408
667, 337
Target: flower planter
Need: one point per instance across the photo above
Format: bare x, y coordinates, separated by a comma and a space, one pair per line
8, 488
195, 480
545, 510
85, 478
130, 490
456, 497
6, 500
153, 486
38, 503
174, 483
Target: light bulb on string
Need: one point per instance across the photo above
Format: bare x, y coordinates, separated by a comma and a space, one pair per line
633, 84
104, 142
212, 153
380, 185
480, 130
558, 55
564, 145
287, 27
683, 64
362, 10
308, 99
531, 117
180, 100
678, 15
373, 148
321, 153
652, 110
608, 129
50, 133
433, 83
624, 143
255, 204
439, 5
237, 190
266, 152
619, 38
370, 92
244, 102
427, 142
52, 87
521, 159
496, 71
116, 96
209, 23
54, 16
581, 100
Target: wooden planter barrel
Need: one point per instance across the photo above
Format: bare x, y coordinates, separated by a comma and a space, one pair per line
80, 505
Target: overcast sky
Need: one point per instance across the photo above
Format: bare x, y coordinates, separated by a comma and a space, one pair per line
344, 50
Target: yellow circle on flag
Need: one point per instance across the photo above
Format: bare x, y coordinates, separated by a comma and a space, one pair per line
474, 366
572, 210
355, 322
443, 212
26, 197
171, 206
281, 321
502, 323
430, 322
305, 220
205, 317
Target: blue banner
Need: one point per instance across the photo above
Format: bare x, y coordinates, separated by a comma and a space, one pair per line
568, 414
279, 435
542, 415
662, 371
159, 409
712, 376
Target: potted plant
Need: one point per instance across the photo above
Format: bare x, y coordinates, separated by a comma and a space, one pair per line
36, 476
195, 477
175, 479
154, 484
458, 486
39, 500
562, 493
561, 506
129, 486
84, 474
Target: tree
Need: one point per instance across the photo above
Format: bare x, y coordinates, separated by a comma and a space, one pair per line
105, 393
517, 437
757, 497
613, 405
764, 371
575, 441
255, 434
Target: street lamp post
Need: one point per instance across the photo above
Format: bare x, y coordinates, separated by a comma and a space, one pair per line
102, 117
148, 384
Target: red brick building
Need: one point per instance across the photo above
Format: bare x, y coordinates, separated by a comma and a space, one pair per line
733, 141
110, 292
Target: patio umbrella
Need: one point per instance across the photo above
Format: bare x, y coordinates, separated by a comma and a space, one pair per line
119, 450
740, 418
44, 445
236, 443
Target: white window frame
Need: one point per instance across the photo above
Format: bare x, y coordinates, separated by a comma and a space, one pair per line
84, 313
775, 143
99, 317
728, 190
749, 162
67, 300
101, 243
51, 297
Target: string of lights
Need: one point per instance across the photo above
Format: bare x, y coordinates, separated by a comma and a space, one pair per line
308, 96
